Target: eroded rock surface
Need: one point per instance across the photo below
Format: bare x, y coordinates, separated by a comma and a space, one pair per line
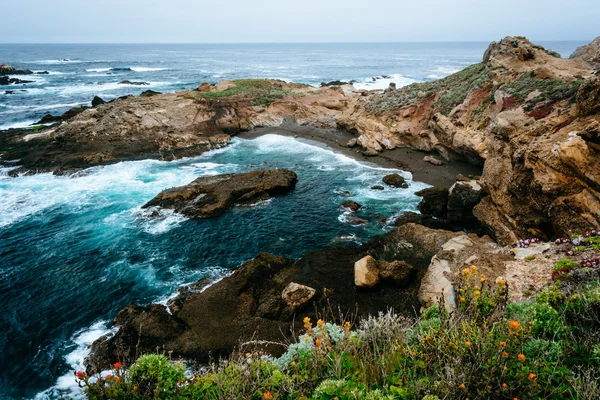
209, 196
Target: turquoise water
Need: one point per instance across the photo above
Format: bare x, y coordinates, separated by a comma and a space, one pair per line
77, 249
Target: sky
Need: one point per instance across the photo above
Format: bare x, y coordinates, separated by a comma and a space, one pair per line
261, 21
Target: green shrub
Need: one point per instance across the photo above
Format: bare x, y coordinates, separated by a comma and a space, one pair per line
565, 264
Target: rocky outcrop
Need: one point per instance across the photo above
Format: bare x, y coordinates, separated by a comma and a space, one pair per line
209, 196
434, 201
395, 180
351, 205
6, 69
97, 101
265, 297
589, 53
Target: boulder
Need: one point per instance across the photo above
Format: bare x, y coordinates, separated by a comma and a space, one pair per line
333, 83
296, 295
352, 142
462, 198
589, 53
8, 70
352, 205
426, 220
366, 273
377, 187
209, 196
5, 80
395, 180
433, 160
398, 272
96, 101
434, 202
51, 119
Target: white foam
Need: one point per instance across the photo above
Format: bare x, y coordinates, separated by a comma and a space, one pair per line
448, 70
97, 70
147, 69
50, 62
66, 385
15, 125
380, 82
20, 109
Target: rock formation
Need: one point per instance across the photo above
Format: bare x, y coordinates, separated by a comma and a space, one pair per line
209, 196
589, 53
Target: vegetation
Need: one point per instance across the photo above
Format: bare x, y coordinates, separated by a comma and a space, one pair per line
262, 92
485, 349
450, 91
551, 90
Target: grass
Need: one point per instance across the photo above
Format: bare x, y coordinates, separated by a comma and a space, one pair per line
262, 92
486, 349
449, 92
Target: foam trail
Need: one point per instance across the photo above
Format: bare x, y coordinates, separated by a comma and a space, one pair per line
382, 82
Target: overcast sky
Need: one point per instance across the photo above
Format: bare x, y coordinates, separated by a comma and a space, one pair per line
216, 21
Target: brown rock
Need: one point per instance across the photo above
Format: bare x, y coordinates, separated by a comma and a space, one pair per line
366, 273
588, 96
295, 295
352, 205
210, 196
589, 53
395, 180
434, 202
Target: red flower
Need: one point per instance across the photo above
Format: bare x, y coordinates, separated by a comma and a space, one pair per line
117, 379
117, 365
109, 376
80, 374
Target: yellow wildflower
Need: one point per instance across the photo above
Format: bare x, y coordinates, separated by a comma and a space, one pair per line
473, 268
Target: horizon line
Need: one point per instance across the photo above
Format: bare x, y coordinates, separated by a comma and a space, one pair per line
283, 43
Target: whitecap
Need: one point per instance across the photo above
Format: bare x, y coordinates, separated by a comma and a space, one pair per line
147, 69
15, 125
383, 82
97, 70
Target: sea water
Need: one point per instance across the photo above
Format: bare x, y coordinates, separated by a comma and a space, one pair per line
76, 249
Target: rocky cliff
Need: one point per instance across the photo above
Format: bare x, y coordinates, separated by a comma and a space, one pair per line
530, 118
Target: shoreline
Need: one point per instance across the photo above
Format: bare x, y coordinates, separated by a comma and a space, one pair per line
402, 158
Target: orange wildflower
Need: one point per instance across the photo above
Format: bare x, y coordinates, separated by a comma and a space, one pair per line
109, 376
135, 388
267, 395
514, 325
462, 386
477, 293
467, 343
117, 379
465, 272
117, 365
504, 386
318, 342
521, 357
532, 377
502, 344
473, 268
504, 354
320, 323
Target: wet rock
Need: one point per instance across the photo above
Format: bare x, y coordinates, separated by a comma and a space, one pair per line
352, 219
296, 295
149, 93
377, 187
209, 196
50, 119
5, 81
96, 101
395, 180
352, 205
426, 220
127, 82
434, 202
6, 69
333, 83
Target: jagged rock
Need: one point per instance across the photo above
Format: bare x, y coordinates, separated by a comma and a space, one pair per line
366, 273
295, 295
50, 119
209, 196
462, 198
588, 96
5, 80
433, 160
352, 205
426, 220
352, 142
434, 202
589, 53
97, 101
398, 272
204, 87
377, 187
395, 180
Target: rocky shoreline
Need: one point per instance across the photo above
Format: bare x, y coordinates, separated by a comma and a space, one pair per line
512, 144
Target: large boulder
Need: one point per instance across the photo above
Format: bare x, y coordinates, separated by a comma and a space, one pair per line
462, 198
209, 196
351, 205
589, 53
434, 202
395, 180
97, 101
366, 273
296, 295
9, 70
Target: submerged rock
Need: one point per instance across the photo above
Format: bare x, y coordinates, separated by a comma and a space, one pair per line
210, 196
127, 82
352, 205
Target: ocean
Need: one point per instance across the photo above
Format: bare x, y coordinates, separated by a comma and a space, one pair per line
76, 249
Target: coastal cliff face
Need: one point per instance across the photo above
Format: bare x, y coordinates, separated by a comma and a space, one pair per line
530, 118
